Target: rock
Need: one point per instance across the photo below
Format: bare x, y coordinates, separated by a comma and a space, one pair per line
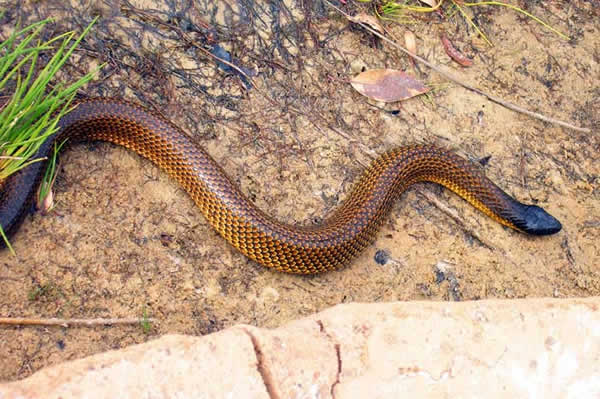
506, 348
215, 366
357, 65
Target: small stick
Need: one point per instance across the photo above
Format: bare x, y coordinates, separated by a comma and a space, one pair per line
454, 216
25, 321
450, 77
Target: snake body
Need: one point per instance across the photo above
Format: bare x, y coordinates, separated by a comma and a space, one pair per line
295, 249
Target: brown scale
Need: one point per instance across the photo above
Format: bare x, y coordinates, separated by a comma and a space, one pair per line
294, 249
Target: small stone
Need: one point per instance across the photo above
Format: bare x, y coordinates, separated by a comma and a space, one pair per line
358, 66
554, 179
382, 256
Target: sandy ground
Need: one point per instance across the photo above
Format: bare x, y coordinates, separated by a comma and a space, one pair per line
124, 239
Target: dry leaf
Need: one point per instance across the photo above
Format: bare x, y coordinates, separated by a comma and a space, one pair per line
430, 3
410, 42
367, 20
47, 203
454, 53
387, 85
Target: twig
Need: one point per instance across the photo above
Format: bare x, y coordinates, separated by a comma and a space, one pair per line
454, 216
450, 77
25, 321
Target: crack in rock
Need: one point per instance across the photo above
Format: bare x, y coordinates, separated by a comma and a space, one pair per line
264, 372
337, 347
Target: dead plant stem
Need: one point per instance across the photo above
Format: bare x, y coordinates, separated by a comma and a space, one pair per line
26, 321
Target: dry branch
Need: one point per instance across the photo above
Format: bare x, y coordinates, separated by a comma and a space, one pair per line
25, 321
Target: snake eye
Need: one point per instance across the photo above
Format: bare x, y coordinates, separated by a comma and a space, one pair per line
538, 222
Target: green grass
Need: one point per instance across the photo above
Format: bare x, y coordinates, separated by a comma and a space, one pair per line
400, 11
145, 323
49, 291
45, 191
35, 105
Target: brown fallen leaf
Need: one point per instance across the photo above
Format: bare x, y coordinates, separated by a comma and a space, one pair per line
367, 19
410, 42
387, 85
430, 3
454, 53
411, 45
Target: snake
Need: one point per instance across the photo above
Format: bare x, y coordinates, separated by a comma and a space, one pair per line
331, 244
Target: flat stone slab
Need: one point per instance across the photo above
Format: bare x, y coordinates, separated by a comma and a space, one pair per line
507, 348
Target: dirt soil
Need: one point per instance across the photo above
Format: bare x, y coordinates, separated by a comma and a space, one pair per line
124, 240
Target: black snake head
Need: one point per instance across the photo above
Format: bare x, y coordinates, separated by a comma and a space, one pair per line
534, 220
